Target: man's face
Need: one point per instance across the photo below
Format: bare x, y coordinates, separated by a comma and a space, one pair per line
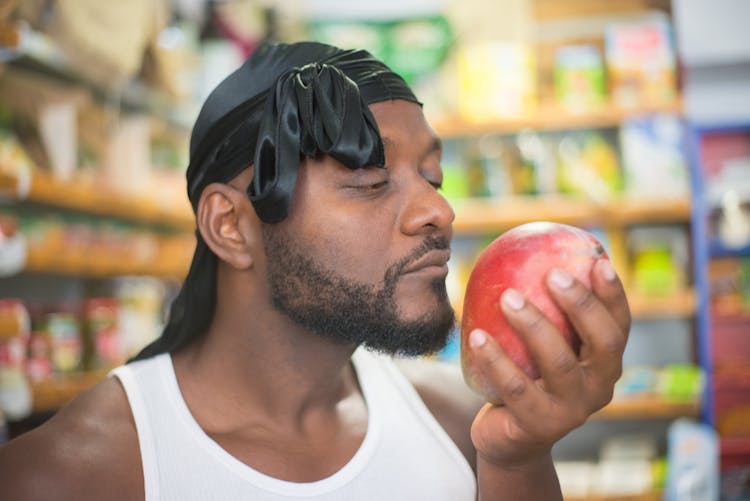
361, 259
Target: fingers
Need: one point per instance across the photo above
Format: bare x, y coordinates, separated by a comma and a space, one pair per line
603, 337
608, 287
525, 400
601, 319
557, 362
497, 376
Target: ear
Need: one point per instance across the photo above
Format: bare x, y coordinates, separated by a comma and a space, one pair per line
224, 220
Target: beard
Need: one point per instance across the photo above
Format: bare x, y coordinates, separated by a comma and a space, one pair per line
349, 312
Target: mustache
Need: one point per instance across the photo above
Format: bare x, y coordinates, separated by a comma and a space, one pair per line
430, 243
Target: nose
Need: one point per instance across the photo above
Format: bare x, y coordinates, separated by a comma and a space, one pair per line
427, 211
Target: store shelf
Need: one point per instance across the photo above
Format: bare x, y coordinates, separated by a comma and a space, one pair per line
648, 408
40, 52
95, 198
478, 215
633, 210
647, 496
718, 249
51, 394
550, 117
679, 304
82, 264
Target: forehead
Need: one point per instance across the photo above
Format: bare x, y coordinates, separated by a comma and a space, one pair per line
402, 124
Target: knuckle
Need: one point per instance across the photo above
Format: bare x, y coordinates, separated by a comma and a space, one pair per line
515, 387
600, 397
565, 363
534, 320
612, 346
585, 300
490, 358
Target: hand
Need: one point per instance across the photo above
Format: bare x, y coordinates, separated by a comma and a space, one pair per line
537, 413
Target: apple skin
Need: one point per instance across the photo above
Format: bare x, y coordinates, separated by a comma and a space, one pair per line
520, 259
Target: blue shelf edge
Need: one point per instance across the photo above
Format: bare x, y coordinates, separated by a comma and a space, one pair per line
718, 249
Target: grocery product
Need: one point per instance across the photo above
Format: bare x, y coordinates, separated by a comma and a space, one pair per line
15, 394
579, 77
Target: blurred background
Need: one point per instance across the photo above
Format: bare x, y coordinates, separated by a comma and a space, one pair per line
630, 118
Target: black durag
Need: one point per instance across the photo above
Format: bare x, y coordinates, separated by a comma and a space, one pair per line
285, 102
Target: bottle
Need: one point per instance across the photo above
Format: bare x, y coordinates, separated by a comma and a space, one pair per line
15, 392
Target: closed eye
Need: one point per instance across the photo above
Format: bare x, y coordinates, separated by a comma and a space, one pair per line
371, 187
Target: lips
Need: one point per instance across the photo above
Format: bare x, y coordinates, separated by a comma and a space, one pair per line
437, 258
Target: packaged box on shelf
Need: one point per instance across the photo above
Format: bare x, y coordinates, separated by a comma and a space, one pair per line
732, 406
15, 394
579, 77
588, 165
496, 80
730, 344
576, 478
15, 166
641, 62
735, 467
46, 110
729, 285
659, 257
654, 156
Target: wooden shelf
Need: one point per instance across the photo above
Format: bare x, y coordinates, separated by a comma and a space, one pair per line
80, 264
647, 496
51, 394
95, 198
648, 408
472, 215
680, 304
477, 215
632, 210
550, 117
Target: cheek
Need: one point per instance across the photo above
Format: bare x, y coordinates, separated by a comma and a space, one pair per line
353, 249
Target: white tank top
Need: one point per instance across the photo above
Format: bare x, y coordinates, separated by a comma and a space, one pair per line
405, 455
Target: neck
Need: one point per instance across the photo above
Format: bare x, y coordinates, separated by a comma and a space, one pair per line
261, 364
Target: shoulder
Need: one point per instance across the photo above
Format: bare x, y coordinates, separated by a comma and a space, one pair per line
443, 390
88, 450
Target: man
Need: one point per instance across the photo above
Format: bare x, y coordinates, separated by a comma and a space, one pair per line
314, 177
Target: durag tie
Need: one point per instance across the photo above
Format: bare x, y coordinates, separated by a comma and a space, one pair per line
315, 109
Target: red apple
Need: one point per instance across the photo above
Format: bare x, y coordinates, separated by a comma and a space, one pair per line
521, 259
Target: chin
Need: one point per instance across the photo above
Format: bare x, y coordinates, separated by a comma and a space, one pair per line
417, 310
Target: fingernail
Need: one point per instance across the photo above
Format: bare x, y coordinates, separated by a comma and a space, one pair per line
513, 299
608, 271
560, 279
477, 338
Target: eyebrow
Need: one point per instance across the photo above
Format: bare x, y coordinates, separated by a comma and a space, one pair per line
436, 145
